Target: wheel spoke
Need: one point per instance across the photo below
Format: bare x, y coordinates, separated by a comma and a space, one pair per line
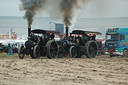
21, 52
53, 55
51, 47
93, 54
92, 49
73, 52
53, 52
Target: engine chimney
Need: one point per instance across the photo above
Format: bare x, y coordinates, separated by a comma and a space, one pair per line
29, 30
67, 32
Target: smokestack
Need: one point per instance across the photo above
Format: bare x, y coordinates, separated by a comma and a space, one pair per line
67, 32
29, 30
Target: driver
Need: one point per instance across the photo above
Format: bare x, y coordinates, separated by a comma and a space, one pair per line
52, 36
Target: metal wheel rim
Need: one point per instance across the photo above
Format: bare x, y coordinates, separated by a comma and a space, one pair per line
92, 50
73, 52
21, 52
53, 50
36, 52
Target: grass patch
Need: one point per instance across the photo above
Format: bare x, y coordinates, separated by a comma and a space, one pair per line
5, 55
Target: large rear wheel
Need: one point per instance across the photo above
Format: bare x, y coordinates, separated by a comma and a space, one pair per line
91, 49
21, 52
52, 49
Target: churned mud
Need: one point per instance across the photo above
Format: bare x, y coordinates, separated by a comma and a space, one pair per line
101, 70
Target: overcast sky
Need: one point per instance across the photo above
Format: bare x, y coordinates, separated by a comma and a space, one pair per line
92, 9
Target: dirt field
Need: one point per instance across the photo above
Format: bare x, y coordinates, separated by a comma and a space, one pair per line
66, 71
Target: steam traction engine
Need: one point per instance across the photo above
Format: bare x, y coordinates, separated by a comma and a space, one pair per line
79, 43
39, 43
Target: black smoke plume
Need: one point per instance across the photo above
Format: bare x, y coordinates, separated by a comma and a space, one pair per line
68, 8
31, 7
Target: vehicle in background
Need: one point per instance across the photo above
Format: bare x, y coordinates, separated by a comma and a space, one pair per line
101, 46
79, 43
40, 43
117, 42
1, 49
6, 44
5, 48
